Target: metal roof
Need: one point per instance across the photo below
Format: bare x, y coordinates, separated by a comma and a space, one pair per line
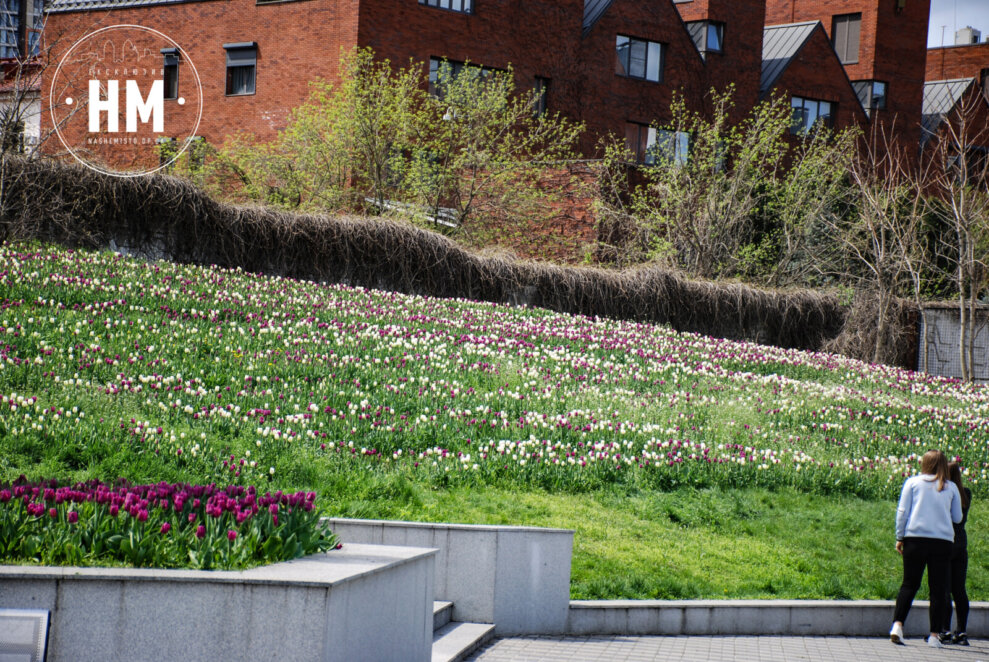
780, 44
593, 9
83, 5
940, 96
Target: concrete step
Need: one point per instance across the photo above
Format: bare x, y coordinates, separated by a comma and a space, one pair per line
442, 611
455, 641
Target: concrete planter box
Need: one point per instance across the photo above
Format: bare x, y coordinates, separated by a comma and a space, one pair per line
866, 618
515, 577
361, 602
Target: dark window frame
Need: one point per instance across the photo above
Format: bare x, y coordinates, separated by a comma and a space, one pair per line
541, 88
241, 61
438, 4
842, 49
804, 129
702, 38
457, 67
866, 92
10, 27
623, 68
665, 145
171, 58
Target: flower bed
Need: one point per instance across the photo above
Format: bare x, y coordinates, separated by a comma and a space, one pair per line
162, 525
218, 375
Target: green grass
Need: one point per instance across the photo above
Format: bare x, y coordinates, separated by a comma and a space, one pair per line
690, 467
693, 544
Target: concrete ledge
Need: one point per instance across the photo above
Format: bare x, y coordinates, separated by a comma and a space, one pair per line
513, 576
753, 617
362, 602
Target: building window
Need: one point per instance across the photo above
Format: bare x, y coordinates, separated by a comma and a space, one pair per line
650, 145
10, 25
170, 72
11, 134
637, 58
810, 114
708, 36
37, 23
451, 69
845, 32
242, 61
872, 94
463, 6
540, 91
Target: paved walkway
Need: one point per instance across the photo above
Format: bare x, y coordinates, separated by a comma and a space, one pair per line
722, 649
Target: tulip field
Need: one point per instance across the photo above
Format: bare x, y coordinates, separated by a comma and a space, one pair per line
389, 405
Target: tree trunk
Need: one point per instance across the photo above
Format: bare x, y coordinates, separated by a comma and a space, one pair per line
962, 327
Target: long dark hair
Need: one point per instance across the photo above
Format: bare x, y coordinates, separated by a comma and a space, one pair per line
934, 463
955, 475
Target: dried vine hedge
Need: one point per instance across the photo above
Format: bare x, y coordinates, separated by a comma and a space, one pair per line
164, 216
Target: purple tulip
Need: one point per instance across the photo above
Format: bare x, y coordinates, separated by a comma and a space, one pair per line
73, 516
231, 535
200, 531
52, 513
166, 527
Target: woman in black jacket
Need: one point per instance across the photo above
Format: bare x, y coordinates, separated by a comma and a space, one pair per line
959, 564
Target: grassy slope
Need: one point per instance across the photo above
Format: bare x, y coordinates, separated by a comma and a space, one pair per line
690, 531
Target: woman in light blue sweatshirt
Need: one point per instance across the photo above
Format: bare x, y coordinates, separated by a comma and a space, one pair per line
929, 505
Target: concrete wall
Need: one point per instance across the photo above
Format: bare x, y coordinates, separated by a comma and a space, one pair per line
515, 577
865, 618
361, 602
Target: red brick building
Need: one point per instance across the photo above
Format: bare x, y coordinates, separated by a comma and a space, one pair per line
882, 46
614, 64
960, 61
956, 96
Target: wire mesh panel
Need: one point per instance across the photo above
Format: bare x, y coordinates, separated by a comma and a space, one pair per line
23, 635
939, 343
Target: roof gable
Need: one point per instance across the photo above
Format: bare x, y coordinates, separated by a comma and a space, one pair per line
593, 9
940, 97
780, 44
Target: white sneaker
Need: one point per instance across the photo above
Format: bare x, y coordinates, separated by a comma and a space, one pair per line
896, 633
934, 642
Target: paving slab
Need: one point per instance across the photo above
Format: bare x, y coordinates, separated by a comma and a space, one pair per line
723, 649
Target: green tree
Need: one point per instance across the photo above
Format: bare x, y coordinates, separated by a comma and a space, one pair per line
482, 149
472, 150
706, 181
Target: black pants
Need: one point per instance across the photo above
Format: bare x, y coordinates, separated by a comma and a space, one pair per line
935, 555
959, 570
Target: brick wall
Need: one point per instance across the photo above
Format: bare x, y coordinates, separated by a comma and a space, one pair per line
891, 50
953, 62
740, 63
816, 73
609, 100
287, 57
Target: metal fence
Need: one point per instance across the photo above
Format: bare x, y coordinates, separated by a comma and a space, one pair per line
939, 330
